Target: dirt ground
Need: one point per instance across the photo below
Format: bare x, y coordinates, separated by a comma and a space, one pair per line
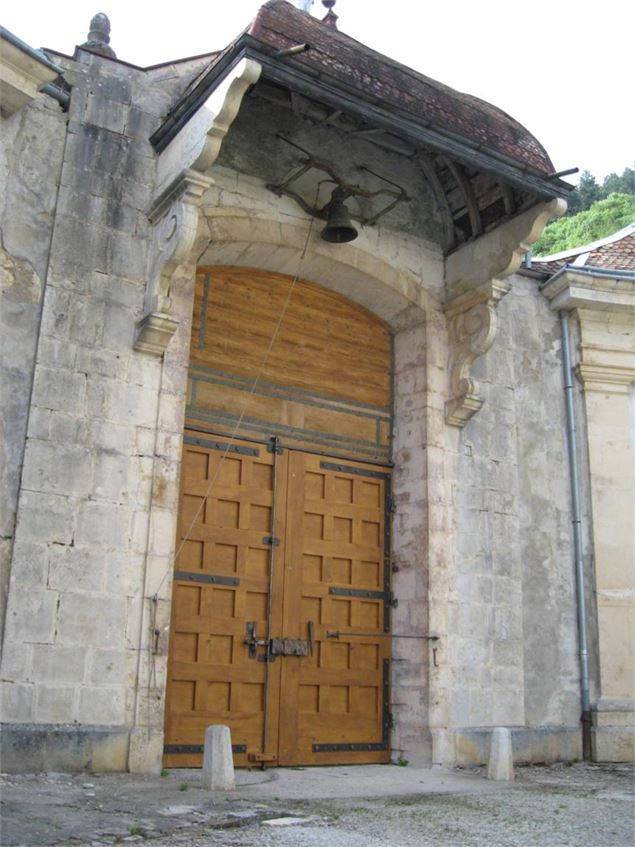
380, 806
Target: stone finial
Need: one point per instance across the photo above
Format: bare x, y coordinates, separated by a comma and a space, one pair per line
331, 18
99, 37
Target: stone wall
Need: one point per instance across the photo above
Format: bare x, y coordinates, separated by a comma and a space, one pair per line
31, 150
73, 617
513, 626
482, 550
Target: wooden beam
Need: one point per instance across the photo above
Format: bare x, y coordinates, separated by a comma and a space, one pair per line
466, 190
508, 197
426, 163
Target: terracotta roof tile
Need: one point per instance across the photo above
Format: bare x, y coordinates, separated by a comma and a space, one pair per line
336, 55
618, 254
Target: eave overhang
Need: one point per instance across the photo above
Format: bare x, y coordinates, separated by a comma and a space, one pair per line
335, 94
24, 71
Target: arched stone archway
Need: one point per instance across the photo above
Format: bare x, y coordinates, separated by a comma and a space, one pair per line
419, 374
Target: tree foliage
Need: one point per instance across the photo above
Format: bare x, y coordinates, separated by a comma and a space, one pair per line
588, 191
603, 218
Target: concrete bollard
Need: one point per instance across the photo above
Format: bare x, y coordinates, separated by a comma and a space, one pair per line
501, 758
218, 762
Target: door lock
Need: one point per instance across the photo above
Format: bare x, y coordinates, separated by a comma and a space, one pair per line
252, 641
277, 646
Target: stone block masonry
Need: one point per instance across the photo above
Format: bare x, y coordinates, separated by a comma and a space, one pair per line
88, 461
481, 547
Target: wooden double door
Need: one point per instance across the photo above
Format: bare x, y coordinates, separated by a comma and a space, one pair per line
281, 606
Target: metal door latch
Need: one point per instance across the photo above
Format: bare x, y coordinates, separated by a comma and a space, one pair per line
288, 647
277, 646
252, 641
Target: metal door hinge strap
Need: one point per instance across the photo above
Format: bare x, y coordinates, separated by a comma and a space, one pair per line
271, 540
184, 749
225, 446
342, 748
335, 466
274, 445
206, 577
361, 592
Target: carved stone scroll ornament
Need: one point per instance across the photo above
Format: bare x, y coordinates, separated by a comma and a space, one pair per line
173, 236
174, 215
475, 276
472, 330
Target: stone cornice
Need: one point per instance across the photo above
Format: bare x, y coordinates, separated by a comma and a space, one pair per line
571, 289
23, 71
609, 379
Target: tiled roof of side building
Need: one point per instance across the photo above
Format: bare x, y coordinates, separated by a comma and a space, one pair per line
345, 60
619, 254
615, 252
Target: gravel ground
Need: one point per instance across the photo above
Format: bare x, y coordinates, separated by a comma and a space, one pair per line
559, 806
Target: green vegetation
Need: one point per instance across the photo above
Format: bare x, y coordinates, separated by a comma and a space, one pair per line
588, 191
183, 786
594, 212
603, 218
165, 771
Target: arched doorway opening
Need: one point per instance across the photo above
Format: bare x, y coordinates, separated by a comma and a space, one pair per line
282, 596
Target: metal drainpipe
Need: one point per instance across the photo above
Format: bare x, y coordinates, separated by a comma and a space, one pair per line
577, 536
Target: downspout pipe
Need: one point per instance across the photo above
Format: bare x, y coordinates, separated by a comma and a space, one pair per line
576, 519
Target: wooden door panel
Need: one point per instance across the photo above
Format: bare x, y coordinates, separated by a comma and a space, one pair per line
335, 702
221, 582
329, 570
323, 373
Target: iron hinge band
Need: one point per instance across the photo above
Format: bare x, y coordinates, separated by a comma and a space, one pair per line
194, 576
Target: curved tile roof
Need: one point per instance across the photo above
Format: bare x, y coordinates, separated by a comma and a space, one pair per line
333, 54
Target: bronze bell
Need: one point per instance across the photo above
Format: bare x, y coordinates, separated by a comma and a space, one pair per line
338, 229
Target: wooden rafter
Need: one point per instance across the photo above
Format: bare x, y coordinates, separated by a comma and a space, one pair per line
429, 171
468, 195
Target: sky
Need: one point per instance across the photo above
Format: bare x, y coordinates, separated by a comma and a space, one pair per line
564, 68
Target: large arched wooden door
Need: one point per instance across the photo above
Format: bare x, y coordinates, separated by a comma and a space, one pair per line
281, 604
